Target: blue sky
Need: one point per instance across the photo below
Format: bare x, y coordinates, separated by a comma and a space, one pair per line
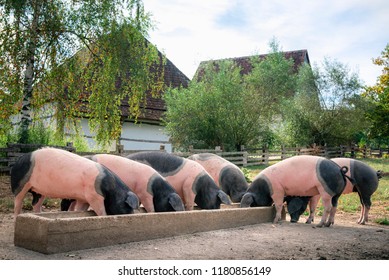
349, 31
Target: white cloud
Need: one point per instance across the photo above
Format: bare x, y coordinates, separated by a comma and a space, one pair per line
350, 31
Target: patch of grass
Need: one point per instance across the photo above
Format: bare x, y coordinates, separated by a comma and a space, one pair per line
349, 203
382, 221
252, 171
52, 203
6, 205
48, 203
247, 174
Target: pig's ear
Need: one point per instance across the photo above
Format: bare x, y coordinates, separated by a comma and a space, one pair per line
132, 200
247, 200
294, 204
224, 197
176, 202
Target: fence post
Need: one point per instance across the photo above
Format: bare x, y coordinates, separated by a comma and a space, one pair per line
245, 157
342, 150
265, 155
70, 147
119, 149
352, 148
364, 151
283, 152
297, 151
325, 151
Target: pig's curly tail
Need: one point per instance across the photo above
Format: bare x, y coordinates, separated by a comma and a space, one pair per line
344, 170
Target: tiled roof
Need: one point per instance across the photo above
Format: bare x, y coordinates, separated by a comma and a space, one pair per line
299, 57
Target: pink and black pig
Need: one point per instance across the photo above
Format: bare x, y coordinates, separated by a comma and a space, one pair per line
298, 176
296, 206
153, 191
365, 183
191, 181
226, 175
56, 173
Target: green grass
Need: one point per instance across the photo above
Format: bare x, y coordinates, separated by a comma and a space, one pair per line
350, 203
48, 203
7, 204
382, 221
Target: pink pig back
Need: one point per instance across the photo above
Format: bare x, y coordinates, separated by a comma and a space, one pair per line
294, 176
183, 180
73, 175
213, 166
134, 174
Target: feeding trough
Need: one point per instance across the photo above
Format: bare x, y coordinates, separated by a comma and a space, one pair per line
56, 232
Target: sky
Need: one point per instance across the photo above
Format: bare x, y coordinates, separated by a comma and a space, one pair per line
352, 32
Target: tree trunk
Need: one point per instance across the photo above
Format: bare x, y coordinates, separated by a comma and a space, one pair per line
29, 75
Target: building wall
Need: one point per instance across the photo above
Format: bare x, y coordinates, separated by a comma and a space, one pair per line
135, 137
144, 137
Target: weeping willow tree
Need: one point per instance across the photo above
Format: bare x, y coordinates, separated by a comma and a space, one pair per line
120, 68
85, 57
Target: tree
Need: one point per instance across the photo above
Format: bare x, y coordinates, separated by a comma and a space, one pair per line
378, 94
327, 107
228, 109
216, 111
300, 113
38, 40
272, 80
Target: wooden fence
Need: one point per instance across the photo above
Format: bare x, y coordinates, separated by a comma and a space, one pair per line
258, 156
244, 158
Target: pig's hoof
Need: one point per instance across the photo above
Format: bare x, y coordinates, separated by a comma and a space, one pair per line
328, 224
308, 222
319, 225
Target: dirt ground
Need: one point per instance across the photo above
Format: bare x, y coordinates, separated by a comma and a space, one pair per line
346, 240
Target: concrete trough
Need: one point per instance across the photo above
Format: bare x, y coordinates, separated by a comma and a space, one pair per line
56, 232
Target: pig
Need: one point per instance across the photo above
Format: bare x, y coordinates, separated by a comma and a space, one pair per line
365, 183
153, 191
226, 175
298, 176
66, 204
296, 206
58, 173
190, 180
